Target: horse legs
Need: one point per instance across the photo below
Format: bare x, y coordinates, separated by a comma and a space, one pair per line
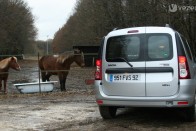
48, 77
62, 80
43, 76
62, 84
0, 84
5, 87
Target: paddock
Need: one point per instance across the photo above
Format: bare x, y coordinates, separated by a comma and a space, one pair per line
75, 109
30, 73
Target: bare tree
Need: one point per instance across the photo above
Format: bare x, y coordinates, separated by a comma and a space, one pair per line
93, 19
16, 26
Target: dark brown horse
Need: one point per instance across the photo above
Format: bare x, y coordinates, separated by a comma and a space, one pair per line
5, 65
60, 65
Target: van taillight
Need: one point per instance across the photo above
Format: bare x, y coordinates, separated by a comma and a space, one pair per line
98, 74
183, 68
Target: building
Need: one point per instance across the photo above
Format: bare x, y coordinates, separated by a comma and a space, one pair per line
90, 54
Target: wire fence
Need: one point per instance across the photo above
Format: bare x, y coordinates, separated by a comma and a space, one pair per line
30, 73
75, 80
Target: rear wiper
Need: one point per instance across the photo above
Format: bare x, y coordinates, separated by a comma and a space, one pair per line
122, 59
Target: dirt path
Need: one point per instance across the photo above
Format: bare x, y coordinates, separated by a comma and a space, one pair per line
79, 112
46, 111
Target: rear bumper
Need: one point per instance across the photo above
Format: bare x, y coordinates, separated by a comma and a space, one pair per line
185, 97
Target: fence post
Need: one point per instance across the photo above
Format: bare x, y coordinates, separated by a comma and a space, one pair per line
93, 61
39, 73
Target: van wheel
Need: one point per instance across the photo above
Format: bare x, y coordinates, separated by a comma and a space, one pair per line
190, 114
107, 112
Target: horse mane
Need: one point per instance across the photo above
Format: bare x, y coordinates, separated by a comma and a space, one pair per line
4, 63
64, 56
68, 54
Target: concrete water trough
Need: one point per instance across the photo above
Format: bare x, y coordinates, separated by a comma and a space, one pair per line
35, 87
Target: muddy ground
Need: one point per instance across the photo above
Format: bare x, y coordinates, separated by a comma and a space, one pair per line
75, 109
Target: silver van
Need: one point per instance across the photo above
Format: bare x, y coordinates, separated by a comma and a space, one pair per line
145, 67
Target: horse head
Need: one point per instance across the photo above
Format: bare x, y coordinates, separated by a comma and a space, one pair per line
14, 64
79, 57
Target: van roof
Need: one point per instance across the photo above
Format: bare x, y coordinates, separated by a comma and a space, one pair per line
141, 30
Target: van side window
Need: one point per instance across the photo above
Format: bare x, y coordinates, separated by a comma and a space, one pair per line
159, 47
187, 48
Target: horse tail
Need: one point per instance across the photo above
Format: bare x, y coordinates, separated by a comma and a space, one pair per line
43, 74
41, 63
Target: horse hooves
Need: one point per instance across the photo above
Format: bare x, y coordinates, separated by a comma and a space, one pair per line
63, 90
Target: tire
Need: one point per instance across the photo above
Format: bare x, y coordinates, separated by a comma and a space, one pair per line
107, 112
190, 114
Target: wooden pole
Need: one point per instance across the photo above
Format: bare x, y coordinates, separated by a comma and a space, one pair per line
39, 74
93, 64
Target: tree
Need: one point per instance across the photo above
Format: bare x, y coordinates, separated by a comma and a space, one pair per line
93, 19
17, 28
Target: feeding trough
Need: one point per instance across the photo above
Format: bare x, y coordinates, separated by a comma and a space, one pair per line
35, 87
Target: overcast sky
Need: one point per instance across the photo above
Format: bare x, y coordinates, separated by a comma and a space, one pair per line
50, 15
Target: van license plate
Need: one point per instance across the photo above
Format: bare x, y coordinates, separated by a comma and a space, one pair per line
124, 77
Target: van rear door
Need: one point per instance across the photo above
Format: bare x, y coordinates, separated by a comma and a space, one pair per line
161, 64
123, 64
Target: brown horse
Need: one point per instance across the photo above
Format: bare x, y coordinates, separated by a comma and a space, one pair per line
60, 65
5, 65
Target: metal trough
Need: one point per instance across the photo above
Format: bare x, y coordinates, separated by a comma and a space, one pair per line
35, 87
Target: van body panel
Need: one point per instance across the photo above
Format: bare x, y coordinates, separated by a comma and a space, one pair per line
143, 70
123, 87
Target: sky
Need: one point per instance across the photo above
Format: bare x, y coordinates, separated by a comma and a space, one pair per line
50, 15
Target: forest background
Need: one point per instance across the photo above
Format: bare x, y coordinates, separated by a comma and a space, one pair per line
90, 22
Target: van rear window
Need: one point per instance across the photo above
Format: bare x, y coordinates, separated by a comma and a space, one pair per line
139, 47
127, 47
159, 47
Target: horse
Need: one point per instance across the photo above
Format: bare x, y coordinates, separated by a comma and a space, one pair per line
5, 65
60, 65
